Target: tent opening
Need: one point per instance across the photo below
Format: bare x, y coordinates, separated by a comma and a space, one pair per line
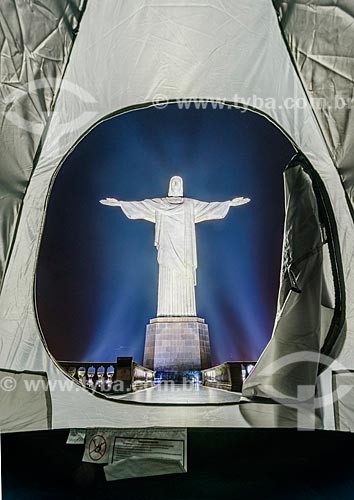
96, 284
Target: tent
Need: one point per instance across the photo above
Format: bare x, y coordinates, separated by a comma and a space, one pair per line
67, 65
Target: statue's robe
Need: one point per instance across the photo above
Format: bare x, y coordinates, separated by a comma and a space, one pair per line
175, 241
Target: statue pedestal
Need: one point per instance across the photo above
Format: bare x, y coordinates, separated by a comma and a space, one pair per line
177, 344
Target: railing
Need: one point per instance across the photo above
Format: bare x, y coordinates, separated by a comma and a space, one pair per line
229, 376
121, 377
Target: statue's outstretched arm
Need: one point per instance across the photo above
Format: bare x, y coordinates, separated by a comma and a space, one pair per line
235, 202
112, 202
144, 209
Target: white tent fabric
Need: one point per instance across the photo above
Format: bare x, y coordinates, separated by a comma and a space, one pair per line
298, 324
31, 409
35, 43
131, 54
323, 50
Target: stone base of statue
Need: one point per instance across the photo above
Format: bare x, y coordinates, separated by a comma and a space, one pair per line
177, 344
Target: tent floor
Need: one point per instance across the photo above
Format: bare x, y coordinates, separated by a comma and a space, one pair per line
222, 463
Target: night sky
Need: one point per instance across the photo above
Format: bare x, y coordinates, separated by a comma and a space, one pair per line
97, 270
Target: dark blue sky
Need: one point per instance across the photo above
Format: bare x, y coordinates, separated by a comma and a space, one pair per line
97, 270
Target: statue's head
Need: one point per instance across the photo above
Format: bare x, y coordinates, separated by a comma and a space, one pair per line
176, 186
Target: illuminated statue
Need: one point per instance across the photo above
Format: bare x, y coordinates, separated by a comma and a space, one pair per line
175, 218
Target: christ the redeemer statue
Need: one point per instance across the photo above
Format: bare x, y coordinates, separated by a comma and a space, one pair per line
175, 217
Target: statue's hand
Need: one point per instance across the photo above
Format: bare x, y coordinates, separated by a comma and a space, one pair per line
239, 201
112, 202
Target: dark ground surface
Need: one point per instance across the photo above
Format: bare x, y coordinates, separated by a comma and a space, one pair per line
246, 464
